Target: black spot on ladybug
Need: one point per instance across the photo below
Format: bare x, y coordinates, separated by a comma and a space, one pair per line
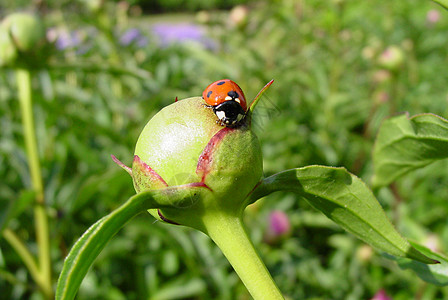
209, 93
233, 94
221, 83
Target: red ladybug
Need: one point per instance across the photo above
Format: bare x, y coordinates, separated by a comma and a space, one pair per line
227, 100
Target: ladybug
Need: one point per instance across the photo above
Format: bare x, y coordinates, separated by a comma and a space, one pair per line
227, 100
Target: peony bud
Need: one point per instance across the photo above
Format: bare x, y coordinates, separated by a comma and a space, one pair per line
26, 30
183, 145
21, 35
8, 51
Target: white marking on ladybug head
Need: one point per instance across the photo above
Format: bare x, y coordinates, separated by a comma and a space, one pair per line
228, 98
238, 100
220, 114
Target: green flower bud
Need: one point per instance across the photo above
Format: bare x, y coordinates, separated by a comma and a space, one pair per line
26, 30
392, 58
239, 16
183, 145
8, 51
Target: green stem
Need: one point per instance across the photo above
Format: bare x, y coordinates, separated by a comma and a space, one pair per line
24, 88
228, 232
23, 78
20, 248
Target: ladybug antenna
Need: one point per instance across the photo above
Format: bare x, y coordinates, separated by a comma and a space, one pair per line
258, 96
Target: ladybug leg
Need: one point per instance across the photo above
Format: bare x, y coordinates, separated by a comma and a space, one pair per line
219, 121
206, 105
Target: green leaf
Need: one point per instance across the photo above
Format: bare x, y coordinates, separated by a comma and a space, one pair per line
435, 274
443, 3
345, 199
404, 144
90, 244
180, 288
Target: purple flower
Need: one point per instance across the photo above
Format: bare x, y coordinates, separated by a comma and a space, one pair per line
142, 41
79, 40
181, 33
67, 40
131, 35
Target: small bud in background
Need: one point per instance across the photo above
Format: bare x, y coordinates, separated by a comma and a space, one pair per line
407, 45
432, 17
239, 16
381, 76
93, 5
203, 17
27, 31
123, 7
279, 226
135, 11
368, 52
122, 13
432, 242
392, 58
22, 38
364, 253
8, 51
381, 97
381, 295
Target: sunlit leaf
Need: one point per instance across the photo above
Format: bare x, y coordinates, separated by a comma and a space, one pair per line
346, 200
404, 144
180, 288
443, 3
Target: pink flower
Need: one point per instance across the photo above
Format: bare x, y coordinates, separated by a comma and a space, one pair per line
381, 295
433, 16
279, 223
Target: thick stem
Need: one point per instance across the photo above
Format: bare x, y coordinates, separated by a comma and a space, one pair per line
228, 232
41, 219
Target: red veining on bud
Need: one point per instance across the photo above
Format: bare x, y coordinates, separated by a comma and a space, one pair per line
206, 157
199, 184
165, 219
148, 173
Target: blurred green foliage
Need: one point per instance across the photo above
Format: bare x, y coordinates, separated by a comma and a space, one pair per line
331, 92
